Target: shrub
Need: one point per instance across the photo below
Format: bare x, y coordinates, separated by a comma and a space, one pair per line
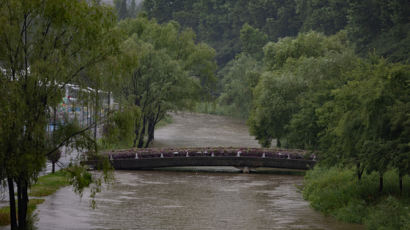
337, 192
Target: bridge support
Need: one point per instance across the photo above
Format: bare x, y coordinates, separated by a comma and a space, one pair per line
245, 170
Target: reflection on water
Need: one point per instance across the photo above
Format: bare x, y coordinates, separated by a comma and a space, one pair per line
183, 200
190, 200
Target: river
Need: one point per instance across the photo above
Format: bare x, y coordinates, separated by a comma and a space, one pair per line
190, 200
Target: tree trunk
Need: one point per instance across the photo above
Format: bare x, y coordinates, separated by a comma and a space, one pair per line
22, 204
109, 101
96, 115
19, 204
381, 182
142, 133
278, 144
53, 167
137, 132
151, 129
359, 172
401, 182
12, 202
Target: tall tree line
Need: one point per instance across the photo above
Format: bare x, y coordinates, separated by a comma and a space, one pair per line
379, 25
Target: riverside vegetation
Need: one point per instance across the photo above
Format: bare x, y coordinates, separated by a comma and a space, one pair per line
335, 192
45, 186
326, 76
45, 45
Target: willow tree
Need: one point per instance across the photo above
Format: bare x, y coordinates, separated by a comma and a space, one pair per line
288, 76
44, 45
163, 70
369, 119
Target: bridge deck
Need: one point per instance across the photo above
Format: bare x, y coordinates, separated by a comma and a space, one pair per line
132, 159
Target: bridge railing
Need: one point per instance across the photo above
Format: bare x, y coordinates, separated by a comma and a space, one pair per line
151, 153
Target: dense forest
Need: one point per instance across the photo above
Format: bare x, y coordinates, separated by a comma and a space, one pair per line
378, 25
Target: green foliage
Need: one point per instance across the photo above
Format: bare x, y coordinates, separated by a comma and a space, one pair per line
390, 213
336, 192
127, 8
217, 109
239, 79
382, 25
274, 103
305, 45
119, 129
300, 74
163, 69
326, 16
219, 23
359, 124
44, 45
80, 178
5, 211
252, 41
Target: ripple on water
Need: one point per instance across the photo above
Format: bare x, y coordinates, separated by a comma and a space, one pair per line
171, 200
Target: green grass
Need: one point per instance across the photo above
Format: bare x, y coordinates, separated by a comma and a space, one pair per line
45, 186
217, 109
5, 211
49, 184
337, 192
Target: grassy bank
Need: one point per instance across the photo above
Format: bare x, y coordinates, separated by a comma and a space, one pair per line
338, 193
217, 109
45, 186
5, 211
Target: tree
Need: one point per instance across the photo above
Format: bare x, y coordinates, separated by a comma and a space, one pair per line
361, 127
326, 16
274, 104
287, 79
163, 70
380, 26
239, 79
44, 45
252, 41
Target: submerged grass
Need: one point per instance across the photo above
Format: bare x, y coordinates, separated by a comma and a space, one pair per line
45, 186
338, 193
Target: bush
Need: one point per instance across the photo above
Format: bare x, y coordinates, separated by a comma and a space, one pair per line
337, 192
390, 213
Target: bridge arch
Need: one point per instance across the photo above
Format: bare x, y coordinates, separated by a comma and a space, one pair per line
136, 159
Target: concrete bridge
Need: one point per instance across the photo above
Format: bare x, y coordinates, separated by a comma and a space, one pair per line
134, 159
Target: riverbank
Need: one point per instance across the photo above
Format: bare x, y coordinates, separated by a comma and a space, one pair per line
45, 186
336, 192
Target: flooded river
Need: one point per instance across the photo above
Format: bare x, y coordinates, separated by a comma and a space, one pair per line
190, 200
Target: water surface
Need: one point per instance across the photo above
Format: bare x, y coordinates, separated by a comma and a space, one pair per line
190, 200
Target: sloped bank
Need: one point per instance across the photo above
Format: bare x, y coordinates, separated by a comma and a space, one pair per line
336, 192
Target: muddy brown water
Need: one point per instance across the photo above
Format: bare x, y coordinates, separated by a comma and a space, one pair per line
190, 200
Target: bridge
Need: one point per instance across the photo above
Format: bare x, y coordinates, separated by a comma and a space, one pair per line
136, 159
